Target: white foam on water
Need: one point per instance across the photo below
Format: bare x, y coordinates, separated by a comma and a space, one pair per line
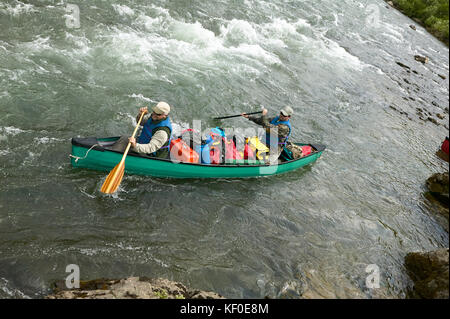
151, 24
237, 32
390, 36
39, 44
29, 159
20, 8
123, 10
330, 52
239, 44
140, 97
193, 33
46, 140
256, 52
336, 51
4, 94
10, 130
131, 47
14, 75
392, 31
5, 286
81, 42
191, 43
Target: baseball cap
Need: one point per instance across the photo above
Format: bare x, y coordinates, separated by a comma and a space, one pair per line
287, 111
161, 108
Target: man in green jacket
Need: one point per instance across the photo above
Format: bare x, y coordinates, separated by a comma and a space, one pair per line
278, 130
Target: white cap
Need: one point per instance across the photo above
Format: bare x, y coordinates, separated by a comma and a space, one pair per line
287, 111
161, 108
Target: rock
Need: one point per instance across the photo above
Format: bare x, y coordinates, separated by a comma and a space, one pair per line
442, 155
130, 288
442, 76
432, 120
438, 197
421, 59
393, 107
390, 3
440, 116
439, 184
406, 81
403, 65
430, 274
412, 26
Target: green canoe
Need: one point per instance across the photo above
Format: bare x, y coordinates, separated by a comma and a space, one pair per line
93, 153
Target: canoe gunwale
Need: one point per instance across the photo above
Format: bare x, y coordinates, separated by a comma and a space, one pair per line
83, 142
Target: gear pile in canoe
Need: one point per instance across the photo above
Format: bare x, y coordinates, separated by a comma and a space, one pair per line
94, 153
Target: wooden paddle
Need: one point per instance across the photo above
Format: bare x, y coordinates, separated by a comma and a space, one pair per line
231, 116
114, 178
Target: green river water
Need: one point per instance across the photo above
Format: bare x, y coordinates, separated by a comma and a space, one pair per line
311, 232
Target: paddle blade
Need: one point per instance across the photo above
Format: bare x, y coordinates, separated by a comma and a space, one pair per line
114, 179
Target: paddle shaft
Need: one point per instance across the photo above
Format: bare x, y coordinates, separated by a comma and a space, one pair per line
114, 177
231, 116
134, 133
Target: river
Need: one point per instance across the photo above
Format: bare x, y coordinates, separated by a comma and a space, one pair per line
309, 233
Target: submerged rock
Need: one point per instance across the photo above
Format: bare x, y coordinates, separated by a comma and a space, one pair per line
412, 26
432, 120
130, 288
430, 274
438, 196
422, 59
403, 65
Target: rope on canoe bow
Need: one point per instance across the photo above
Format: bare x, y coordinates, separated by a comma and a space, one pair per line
82, 158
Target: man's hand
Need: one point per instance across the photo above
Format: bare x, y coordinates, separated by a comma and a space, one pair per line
143, 110
264, 112
244, 115
132, 140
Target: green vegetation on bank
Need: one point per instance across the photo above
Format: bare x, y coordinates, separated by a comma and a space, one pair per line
433, 14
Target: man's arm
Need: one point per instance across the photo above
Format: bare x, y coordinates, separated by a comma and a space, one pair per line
262, 120
281, 130
157, 141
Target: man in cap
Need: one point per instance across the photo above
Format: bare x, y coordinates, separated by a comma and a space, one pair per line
155, 136
278, 130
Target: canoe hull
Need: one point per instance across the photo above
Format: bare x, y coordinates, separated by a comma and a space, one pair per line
102, 159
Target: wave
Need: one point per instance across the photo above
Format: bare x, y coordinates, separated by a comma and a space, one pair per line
123, 10
19, 9
11, 130
6, 291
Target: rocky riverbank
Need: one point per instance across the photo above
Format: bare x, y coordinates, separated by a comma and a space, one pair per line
432, 16
130, 288
430, 274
